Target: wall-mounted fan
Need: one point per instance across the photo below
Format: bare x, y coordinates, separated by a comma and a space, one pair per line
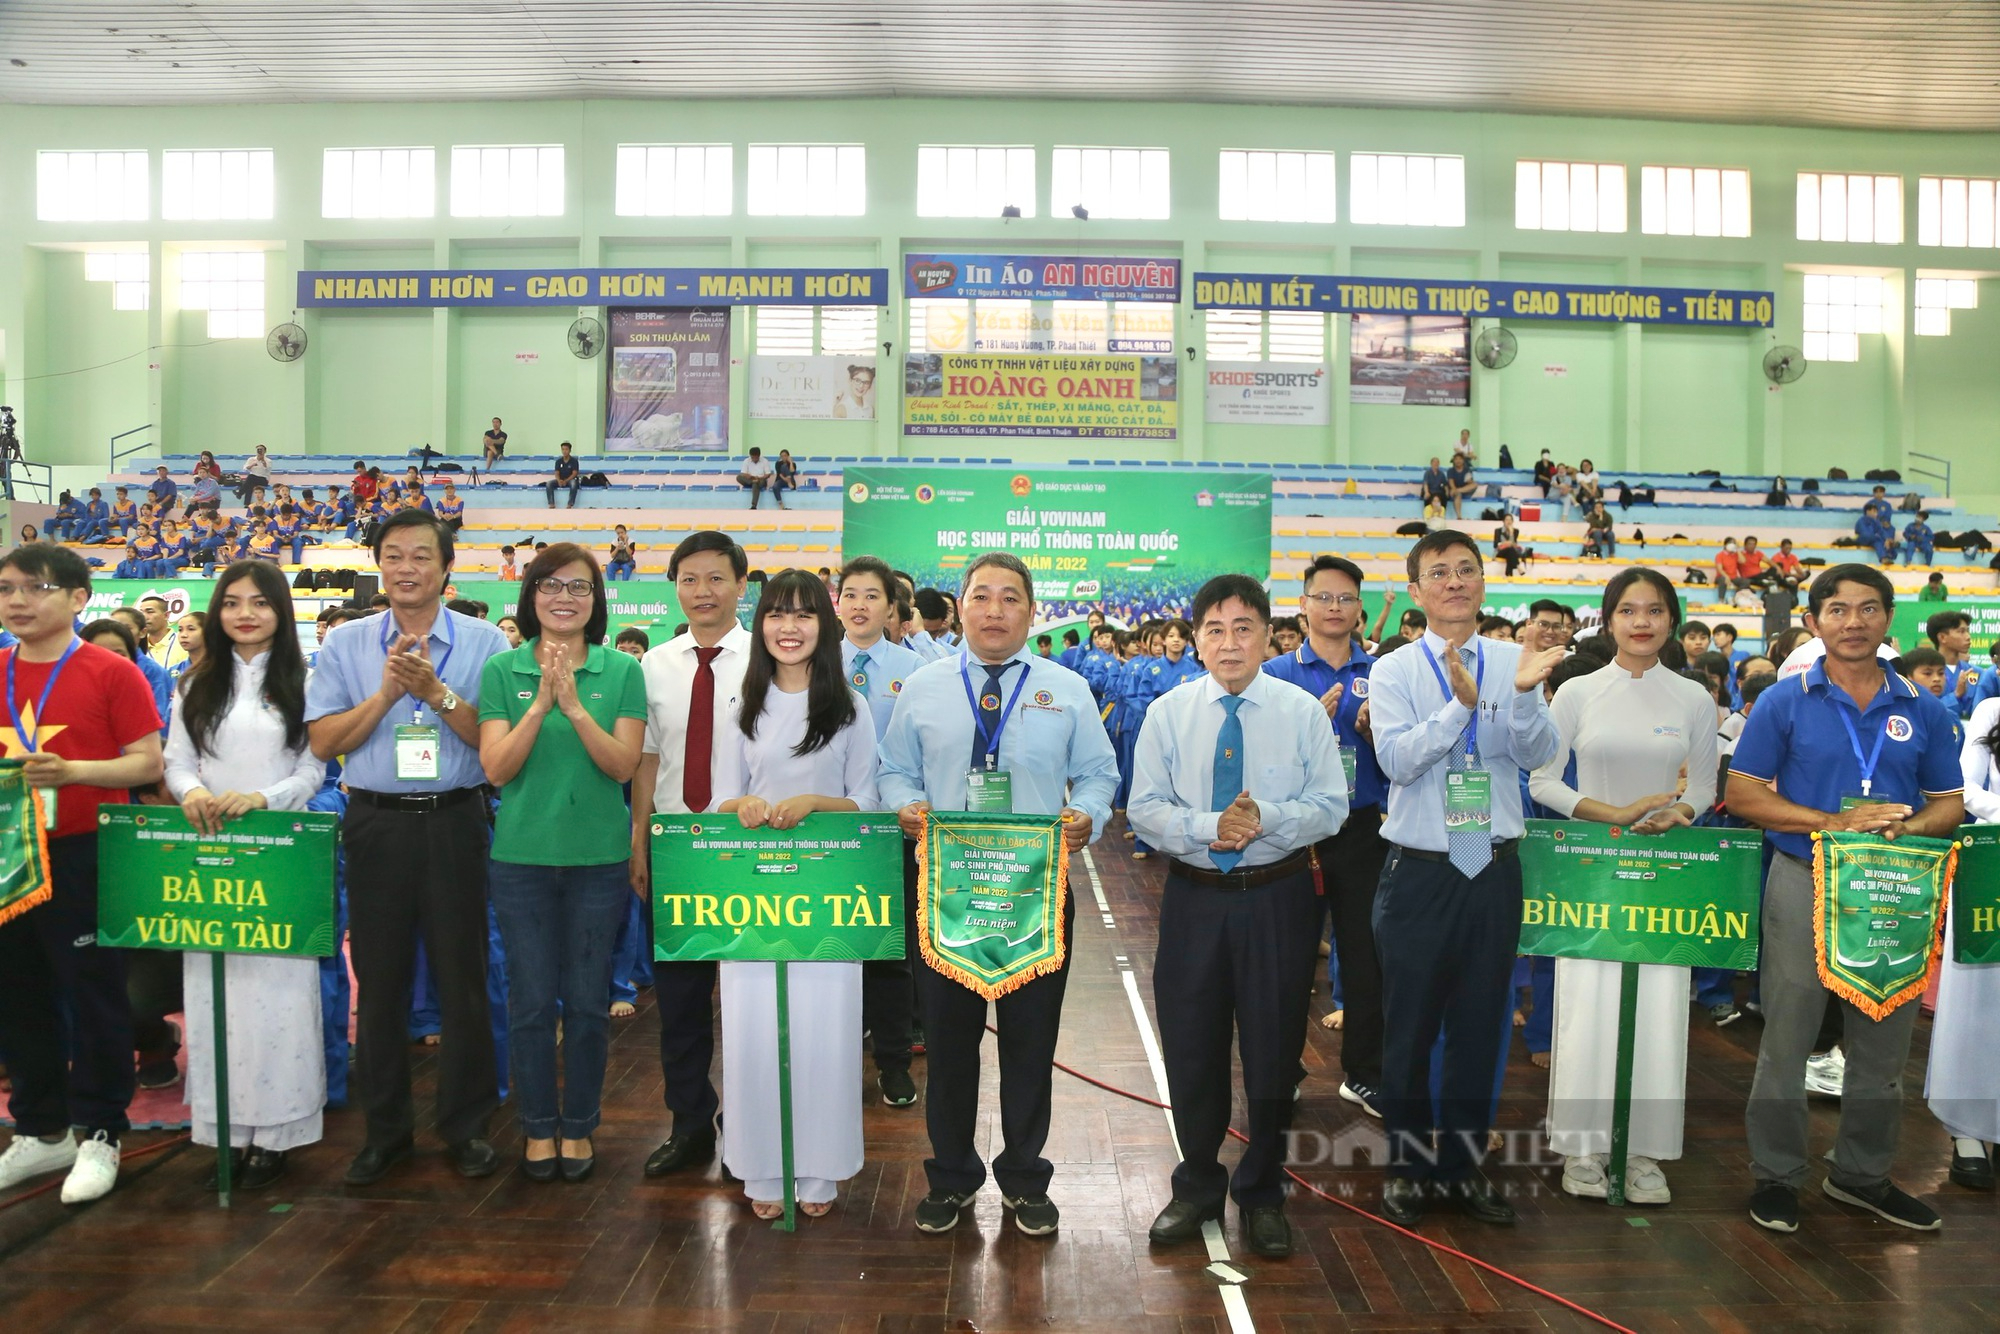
1783, 365
1496, 348
586, 338
287, 342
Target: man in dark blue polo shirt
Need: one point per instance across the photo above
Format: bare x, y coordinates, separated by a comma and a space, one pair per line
1844, 745
568, 474
1333, 667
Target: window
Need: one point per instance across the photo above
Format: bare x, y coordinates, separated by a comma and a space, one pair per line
1833, 207
378, 183
1937, 298
1400, 190
235, 183
1569, 196
1256, 335
675, 180
842, 331
229, 285
958, 181
91, 187
1955, 211
128, 271
1838, 308
808, 180
1110, 182
1694, 201
1276, 187
502, 182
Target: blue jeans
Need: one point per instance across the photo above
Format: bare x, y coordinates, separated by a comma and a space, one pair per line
560, 925
619, 569
632, 966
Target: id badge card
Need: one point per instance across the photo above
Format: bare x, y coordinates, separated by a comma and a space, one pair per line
1468, 800
47, 797
1347, 763
417, 753
989, 792
1849, 800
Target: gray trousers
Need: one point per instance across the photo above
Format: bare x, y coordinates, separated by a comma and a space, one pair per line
1871, 1104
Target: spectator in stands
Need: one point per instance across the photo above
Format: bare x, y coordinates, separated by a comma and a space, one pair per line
1599, 539
1562, 488
95, 525
256, 473
65, 521
205, 492
1777, 496
1729, 569
124, 515
1545, 472
132, 567
1436, 490
1934, 589
494, 444
1464, 447
785, 477
569, 474
366, 482
1877, 526
1459, 483
450, 507
163, 489
1589, 487
1751, 564
621, 565
756, 475
507, 571
1918, 539
1507, 545
1785, 566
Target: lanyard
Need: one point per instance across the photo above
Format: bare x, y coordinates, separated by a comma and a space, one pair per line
1472, 724
42, 704
978, 720
1854, 739
390, 630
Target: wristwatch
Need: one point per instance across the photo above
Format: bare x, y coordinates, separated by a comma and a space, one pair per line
449, 702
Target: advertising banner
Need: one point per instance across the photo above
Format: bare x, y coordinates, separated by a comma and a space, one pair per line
1584, 302
364, 289
1104, 398
813, 388
990, 892
669, 381
264, 885
1042, 277
1264, 393
1597, 891
1975, 896
1136, 545
1093, 327
1878, 915
1423, 360
830, 889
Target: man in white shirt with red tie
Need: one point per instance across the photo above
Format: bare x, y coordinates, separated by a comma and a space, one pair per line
694, 685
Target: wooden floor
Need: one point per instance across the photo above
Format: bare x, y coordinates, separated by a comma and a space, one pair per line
429, 1251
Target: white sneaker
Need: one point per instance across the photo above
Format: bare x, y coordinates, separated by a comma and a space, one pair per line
96, 1170
28, 1157
1645, 1183
1826, 1074
1584, 1176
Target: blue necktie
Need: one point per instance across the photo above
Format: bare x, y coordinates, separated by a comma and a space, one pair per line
989, 717
860, 679
1470, 847
1227, 781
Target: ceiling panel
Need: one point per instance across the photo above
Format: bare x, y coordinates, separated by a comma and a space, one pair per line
1888, 64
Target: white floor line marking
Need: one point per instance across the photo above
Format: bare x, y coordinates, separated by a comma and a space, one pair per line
1096, 884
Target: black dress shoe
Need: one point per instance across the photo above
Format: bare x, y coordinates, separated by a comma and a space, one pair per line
1973, 1173
213, 1181
1403, 1201
473, 1158
1270, 1235
1181, 1221
1481, 1201
576, 1169
680, 1151
540, 1169
372, 1163
261, 1167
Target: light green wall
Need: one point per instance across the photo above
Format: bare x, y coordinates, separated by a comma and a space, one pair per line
1653, 398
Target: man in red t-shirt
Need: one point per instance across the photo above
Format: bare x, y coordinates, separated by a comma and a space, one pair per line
1750, 562
83, 719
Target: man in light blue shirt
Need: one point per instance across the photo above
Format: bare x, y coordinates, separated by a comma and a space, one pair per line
1455, 719
1236, 777
398, 696
1049, 741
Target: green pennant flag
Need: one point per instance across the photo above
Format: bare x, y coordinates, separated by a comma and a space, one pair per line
1878, 915
24, 844
990, 897
1975, 896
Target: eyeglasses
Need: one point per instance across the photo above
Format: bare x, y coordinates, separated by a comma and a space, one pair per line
1464, 573
31, 590
1333, 599
576, 588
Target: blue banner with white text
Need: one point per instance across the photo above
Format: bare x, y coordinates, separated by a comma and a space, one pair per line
1042, 277
1482, 299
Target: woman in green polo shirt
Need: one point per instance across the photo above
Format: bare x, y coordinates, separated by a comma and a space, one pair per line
561, 719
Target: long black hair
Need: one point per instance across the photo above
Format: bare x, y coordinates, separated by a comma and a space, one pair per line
829, 702
207, 686
1621, 584
1992, 742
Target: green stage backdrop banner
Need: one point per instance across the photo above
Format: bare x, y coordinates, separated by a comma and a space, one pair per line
1975, 896
1596, 891
264, 885
1135, 544
829, 890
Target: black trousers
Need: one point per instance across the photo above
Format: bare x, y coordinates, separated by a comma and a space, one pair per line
1351, 869
954, 1026
1447, 947
1238, 962
888, 993
684, 994
52, 965
413, 873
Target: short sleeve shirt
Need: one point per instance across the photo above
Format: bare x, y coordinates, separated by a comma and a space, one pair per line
100, 705
566, 467
560, 787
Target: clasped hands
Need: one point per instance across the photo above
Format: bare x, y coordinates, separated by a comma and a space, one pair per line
1238, 826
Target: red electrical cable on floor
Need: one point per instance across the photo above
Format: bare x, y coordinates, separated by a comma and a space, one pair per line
1489, 1267
123, 1158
